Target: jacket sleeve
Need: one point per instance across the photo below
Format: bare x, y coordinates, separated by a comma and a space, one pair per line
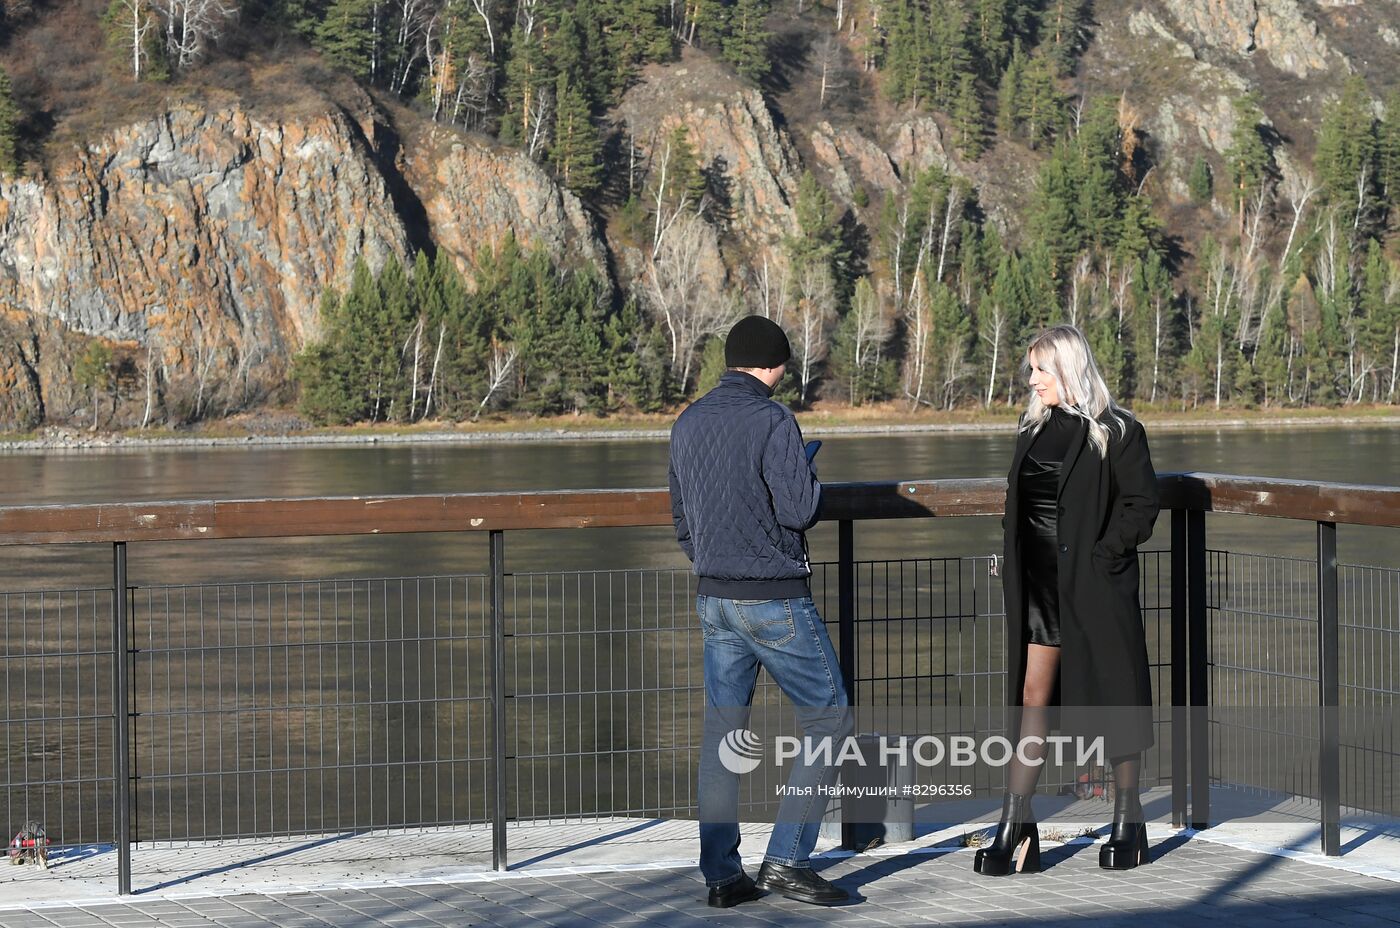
678, 513
1136, 502
793, 484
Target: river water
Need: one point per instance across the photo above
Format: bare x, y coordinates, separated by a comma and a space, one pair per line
1330, 454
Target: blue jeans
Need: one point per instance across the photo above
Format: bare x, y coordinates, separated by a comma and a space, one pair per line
787, 638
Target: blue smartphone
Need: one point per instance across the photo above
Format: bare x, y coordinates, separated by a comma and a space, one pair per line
812, 448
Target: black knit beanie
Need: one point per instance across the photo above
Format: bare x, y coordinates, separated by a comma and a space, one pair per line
756, 341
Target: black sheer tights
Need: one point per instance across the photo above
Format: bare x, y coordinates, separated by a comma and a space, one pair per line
1042, 672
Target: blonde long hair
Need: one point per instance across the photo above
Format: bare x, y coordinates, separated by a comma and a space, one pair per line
1064, 352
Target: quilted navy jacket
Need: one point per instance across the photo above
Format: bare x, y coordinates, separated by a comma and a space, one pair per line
743, 492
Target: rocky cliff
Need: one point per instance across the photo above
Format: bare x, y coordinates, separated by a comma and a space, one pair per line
203, 239
197, 242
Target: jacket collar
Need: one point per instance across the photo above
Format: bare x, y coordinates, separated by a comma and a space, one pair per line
746, 382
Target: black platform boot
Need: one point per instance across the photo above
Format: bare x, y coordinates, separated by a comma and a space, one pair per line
1127, 843
1017, 843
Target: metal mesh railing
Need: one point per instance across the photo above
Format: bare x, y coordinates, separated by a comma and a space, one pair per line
290, 708
57, 723
332, 706
1264, 657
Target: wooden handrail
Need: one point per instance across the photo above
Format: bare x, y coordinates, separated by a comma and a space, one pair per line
1353, 504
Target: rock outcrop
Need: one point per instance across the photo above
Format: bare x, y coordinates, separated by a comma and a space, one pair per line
733, 133
475, 193
846, 152
1279, 29
208, 235
202, 241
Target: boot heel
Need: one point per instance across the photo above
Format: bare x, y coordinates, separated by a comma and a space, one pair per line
1028, 860
1142, 854
1017, 841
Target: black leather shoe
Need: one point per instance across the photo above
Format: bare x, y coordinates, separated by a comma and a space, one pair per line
1127, 842
1017, 843
741, 890
799, 883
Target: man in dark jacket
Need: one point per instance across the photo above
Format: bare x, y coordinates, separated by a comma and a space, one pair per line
743, 492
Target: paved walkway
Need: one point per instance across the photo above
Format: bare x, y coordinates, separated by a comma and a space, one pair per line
1193, 879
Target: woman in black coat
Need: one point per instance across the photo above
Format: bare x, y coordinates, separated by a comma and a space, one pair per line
1081, 496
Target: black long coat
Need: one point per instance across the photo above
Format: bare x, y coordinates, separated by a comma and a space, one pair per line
1107, 508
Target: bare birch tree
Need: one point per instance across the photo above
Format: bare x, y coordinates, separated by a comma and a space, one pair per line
813, 319
769, 293
675, 295
498, 370
192, 25
918, 331
995, 328
136, 19
870, 332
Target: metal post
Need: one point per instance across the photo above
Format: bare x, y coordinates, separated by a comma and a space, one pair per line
1329, 687
846, 606
1198, 654
1179, 677
121, 720
498, 701
846, 635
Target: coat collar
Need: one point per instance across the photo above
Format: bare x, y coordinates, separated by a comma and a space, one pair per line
1076, 447
746, 382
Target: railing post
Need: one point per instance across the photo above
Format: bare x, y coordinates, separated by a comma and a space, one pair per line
1179, 717
498, 701
846, 636
121, 719
846, 606
1198, 648
1329, 688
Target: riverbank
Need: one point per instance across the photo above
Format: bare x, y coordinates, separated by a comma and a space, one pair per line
286, 430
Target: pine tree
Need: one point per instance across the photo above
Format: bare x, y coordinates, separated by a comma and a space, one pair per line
577, 150
1009, 93
1248, 159
397, 328
637, 33
1377, 326
951, 343
1154, 329
1388, 153
745, 43
1271, 357
529, 89
636, 354
967, 117
1055, 212
1199, 180
1346, 146
989, 36
326, 370
9, 126
712, 366
905, 46
1041, 106
1062, 32
94, 371
947, 55
346, 36
819, 230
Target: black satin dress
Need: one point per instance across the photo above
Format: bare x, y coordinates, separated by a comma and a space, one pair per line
1039, 490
